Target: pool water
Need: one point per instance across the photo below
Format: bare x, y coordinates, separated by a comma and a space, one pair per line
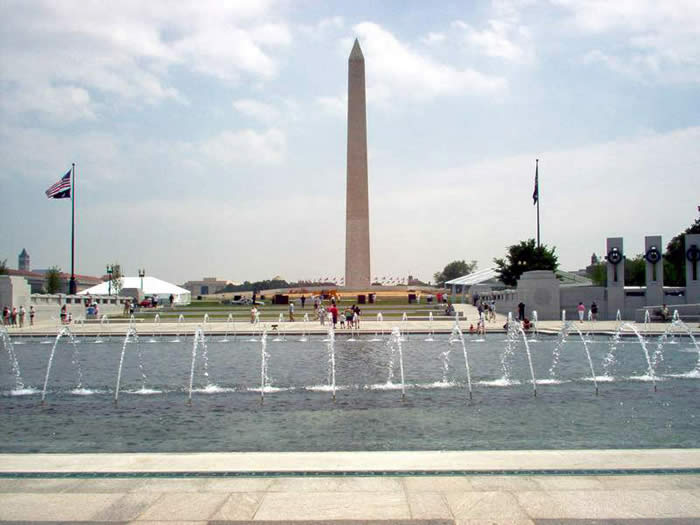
298, 413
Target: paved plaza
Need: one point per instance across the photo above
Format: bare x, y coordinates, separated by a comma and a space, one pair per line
590, 485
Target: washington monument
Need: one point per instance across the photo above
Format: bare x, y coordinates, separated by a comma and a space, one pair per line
357, 273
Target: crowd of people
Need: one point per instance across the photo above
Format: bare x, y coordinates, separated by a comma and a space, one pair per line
348, 318
16, 316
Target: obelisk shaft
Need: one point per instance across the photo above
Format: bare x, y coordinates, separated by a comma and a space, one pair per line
357, 271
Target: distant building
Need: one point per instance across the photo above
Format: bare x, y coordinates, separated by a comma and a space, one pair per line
207, 286
415, 282
24, 262
37, 280
588, 270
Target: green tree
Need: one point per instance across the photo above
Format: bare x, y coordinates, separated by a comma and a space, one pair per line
599, 274
674, 258
3, 267
635, 271
524, 257
453, 270
117, 278
53, 280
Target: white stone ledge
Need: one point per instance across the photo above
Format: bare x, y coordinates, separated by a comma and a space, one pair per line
403, 461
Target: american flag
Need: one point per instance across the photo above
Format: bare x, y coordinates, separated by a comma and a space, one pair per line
60, 190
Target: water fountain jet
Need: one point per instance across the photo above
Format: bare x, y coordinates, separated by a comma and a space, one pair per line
395, 345
198, 339
458, 336
64, 331
430, 324
14, 364
130, 334
156, 325
331, 359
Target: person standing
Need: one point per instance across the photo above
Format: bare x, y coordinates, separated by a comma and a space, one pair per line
291, 311
581, 311
22, 314
13, 318
253, 314
5, 316
594, 311
32, 312
303, 301
521, 311
171, 299
480, 326
333, 310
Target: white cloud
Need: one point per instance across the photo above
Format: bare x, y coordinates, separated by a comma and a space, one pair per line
596, 56
334, 106
323, 27
62, 103
246, 147
258, 110
432, 39
126, 49
659, 39
395, 69
501, 39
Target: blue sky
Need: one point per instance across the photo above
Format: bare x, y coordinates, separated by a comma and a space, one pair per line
209, 137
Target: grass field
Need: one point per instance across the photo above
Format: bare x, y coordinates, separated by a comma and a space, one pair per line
220, 312
391, 305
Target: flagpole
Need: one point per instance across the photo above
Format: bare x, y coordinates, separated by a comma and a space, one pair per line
538, 201
72, 287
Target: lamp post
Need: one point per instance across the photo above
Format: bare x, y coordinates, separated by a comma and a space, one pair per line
110, 269
142, 274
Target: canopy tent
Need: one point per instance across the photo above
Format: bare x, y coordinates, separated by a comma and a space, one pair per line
477, 277
476, 282
151, 287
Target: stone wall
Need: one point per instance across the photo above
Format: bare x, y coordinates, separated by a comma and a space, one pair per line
570, 297
48, 307
16, 292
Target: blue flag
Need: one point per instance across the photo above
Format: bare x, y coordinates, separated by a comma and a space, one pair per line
536, 193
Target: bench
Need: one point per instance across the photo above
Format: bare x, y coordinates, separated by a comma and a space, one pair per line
656, 317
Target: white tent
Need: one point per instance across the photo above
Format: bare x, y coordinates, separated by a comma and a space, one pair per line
477, 277
151, 287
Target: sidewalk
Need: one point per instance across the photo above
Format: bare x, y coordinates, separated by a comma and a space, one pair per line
314, 327
523, 499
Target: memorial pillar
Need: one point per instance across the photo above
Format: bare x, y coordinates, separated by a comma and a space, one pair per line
654, 270
692, 268
616, 276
